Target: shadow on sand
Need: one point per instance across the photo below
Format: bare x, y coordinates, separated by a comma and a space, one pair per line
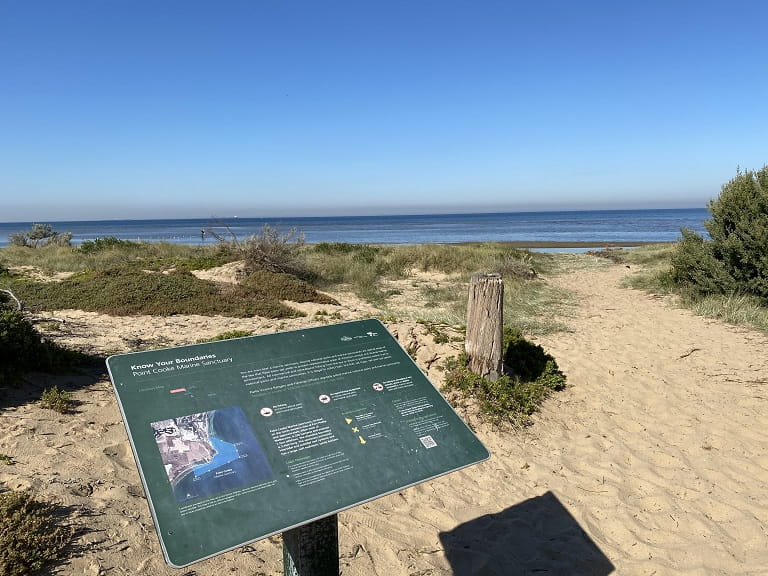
31, 386
538, 536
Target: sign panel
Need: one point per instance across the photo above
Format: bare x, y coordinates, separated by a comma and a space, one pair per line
236, 440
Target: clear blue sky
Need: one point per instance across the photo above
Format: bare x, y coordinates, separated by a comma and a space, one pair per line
165, 108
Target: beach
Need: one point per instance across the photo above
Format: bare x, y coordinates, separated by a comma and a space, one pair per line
653, 460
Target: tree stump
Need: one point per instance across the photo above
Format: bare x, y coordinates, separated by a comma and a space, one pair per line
484, 341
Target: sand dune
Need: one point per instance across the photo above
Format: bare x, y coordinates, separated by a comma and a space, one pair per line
653, 461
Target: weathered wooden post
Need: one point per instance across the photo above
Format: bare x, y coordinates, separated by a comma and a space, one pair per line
312, 549
485, 309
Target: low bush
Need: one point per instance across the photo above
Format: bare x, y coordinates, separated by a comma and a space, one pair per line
22, 349
514, 397
274, 251
127, 291
696, 267
229, 335
57, 400
283, 287
32, 534
529, 362
106, 243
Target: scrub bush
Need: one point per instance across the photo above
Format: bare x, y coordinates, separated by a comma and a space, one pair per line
283, 287
32, 536
40, 235
274, 251
511, 399
57, 400
735, 260
22, 350
106, 243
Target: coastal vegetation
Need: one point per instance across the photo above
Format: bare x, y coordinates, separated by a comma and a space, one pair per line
726, 275
34, 534
734, 260
22, 349
121, 277
40, 235
531, 375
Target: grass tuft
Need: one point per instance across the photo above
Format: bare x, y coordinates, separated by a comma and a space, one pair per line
57, 400
227, 336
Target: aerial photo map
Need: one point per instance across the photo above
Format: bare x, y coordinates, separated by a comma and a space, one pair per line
207, 453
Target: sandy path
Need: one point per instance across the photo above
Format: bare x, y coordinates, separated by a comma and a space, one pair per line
659, 449
653, 461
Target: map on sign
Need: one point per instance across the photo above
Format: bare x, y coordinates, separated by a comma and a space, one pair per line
237, 440
209, 452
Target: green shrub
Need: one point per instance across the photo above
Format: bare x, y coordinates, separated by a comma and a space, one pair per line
512, 398
106, 243
696, 268
226, 336
283, 287
32, 536
735, 260
57, 400
22, 350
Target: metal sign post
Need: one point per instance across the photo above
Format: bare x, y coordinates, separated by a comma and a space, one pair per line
237, 440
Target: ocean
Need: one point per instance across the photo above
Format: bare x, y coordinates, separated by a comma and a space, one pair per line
613, 226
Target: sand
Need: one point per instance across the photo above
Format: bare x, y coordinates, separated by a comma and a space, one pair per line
654, 460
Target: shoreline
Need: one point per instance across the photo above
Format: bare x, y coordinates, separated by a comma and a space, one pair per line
525, 244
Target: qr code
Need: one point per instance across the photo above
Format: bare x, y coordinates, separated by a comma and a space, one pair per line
428, 441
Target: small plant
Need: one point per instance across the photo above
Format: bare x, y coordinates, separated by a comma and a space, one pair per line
57, 400
7, 460
32, 536
438, 335
227, 336
512, 398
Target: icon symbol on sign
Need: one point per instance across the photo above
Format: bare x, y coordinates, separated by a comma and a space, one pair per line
378, 386
266, 412
324, 398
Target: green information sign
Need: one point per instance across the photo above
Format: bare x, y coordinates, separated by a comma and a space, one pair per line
240, 439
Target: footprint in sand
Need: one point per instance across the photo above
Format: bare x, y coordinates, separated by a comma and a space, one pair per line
120, 454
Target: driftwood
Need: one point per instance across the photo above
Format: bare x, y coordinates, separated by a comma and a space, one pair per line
19, 303
34, 318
